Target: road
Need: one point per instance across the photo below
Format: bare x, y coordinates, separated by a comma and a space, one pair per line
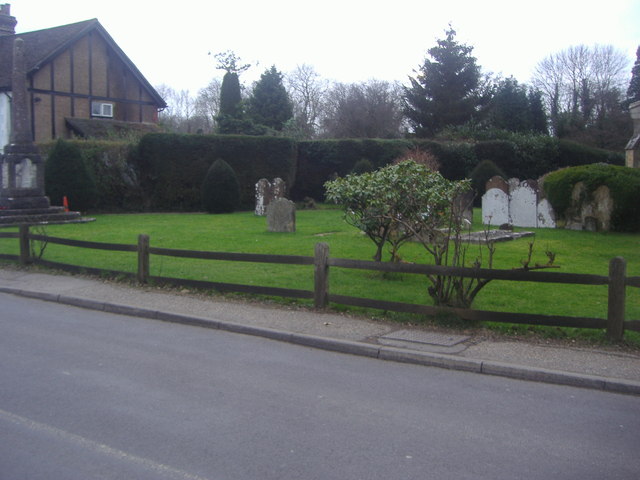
89, 395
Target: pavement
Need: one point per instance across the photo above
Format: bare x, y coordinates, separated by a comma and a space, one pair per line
608, 368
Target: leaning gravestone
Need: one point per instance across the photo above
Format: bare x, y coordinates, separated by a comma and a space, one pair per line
281, 216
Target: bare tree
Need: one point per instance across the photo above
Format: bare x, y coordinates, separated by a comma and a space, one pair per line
306, 90
578, 84
181, 114
207, 105
371, 109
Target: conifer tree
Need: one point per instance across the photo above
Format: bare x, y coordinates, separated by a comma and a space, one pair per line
446, 91
270, 104
220, 188
633, 92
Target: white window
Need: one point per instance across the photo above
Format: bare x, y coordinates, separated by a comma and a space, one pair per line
101, 109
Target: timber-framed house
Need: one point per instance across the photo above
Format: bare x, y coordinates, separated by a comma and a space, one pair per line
80, 83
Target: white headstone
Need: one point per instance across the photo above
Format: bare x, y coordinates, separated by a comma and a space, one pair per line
495, 207
546, 215
523, 205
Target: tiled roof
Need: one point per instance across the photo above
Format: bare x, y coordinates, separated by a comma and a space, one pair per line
42, 46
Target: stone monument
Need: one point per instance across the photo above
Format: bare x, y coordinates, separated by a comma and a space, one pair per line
22, 196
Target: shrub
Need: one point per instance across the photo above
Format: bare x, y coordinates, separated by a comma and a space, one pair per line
481, 174
362, 166
623, 183
66, 175
220, 188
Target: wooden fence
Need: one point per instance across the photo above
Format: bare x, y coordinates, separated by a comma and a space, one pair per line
617, 280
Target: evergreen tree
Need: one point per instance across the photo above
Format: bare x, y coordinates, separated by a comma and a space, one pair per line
539, 120
230, 96
446, 91
270, 104
633, 92
66, 175
509, 107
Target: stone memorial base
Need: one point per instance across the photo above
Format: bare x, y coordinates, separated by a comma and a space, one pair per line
39, 216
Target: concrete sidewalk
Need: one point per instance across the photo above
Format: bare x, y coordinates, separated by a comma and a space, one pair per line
608, 369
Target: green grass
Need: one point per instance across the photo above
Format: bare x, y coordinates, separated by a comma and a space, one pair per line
576, 252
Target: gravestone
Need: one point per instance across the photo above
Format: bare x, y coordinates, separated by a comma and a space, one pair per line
516, 203
263, 196
267, 192
463, 206
281, 216
523, 204
495, 202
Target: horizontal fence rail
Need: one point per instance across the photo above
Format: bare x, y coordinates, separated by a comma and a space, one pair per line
617, 280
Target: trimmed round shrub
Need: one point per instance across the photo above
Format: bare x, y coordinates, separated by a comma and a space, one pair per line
623, 183
481, 174
67, 175
362, 166
220, 188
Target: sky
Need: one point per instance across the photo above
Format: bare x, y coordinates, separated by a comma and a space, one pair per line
344, 40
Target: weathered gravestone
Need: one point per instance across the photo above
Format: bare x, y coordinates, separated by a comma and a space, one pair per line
281, 216
267, 192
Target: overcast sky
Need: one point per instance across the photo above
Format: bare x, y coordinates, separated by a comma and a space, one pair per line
344, 40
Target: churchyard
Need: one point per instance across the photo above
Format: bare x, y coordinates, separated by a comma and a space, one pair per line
244, 232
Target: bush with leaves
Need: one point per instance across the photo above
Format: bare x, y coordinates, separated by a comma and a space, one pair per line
220, 188
376, 202
67, 175
406, 200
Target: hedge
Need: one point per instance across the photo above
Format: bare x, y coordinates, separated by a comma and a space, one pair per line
115, 177
173, 166
164, 172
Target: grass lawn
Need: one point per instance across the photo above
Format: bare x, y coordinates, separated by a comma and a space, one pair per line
576, 252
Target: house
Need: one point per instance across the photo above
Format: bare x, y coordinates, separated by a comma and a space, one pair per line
80, 83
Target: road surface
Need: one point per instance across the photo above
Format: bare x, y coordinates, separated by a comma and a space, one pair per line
90, 395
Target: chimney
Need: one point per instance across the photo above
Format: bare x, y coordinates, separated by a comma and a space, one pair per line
7, 22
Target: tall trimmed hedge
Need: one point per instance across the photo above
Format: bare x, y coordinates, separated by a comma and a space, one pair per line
172, 166
322, 160
109, 165
66, 175
165, 171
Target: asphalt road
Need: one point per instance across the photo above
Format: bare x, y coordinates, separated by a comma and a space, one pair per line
89, 395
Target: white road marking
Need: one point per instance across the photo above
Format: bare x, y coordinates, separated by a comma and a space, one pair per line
96, 447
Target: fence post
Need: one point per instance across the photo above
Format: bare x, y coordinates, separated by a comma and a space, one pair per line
25, 245
143, 258
615, 314
321, 275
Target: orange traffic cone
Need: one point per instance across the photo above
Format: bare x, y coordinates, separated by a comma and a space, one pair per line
65, 203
